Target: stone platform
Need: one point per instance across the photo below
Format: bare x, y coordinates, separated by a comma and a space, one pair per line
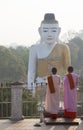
28, 124
63, 121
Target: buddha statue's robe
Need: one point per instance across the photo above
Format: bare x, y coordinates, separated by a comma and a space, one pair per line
59, 58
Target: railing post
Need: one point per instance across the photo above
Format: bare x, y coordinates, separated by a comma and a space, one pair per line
16, 100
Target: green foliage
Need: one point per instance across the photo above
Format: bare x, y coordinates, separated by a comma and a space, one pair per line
22, 53
81, 81
13, 63
30, 107
76, 50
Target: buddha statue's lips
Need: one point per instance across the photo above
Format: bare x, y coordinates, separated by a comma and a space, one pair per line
49, 38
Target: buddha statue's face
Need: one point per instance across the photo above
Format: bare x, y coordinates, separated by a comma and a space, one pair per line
49, 33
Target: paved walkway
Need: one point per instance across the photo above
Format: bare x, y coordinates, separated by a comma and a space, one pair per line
28, 124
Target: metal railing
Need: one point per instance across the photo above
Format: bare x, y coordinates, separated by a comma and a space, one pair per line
29, 104
5, 100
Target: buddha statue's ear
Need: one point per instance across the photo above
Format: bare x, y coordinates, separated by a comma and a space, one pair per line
59, 30
39, 30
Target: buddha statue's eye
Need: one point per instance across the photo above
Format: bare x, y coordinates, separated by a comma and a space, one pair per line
53, 30
45, 30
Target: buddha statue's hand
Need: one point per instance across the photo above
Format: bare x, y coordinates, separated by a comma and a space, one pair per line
40, 81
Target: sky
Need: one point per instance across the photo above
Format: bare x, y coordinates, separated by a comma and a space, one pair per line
20, 19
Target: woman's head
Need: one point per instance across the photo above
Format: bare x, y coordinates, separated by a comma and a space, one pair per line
70, 69
54, 70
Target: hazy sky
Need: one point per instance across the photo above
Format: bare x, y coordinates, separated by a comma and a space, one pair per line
20, 19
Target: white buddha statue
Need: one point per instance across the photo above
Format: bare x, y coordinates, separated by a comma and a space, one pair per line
48, 52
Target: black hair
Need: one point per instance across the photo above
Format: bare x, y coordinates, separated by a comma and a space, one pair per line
54, 70
70, 69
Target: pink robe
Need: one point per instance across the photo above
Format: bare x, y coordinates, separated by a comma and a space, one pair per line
52, 99
70, 99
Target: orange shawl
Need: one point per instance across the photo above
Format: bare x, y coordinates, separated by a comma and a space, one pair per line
51, 84
71, 81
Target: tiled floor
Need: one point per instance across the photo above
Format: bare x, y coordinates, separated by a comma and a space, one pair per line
28, 124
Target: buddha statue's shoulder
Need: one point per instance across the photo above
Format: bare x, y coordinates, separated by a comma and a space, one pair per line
62, 45
38, 47
35, 46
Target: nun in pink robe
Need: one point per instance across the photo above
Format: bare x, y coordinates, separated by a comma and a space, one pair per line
70, 99
52, 95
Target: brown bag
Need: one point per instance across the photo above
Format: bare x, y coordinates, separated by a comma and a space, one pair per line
71, 81
51, 84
